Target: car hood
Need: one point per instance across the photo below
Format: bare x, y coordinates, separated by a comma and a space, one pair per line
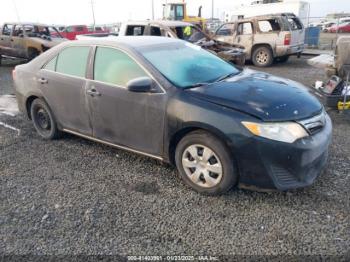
262, 95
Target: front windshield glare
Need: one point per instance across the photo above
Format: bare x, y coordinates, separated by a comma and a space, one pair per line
186, 64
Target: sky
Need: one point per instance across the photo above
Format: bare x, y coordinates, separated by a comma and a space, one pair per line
109, 11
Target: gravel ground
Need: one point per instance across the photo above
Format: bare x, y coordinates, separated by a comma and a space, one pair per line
73, 196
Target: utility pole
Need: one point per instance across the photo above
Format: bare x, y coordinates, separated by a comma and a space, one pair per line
93, 13
16, 10
212, 9
152, 9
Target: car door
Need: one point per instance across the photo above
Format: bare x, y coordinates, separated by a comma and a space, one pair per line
18, 43
244, 36
5, 40
62, 81
225, 33
119, 116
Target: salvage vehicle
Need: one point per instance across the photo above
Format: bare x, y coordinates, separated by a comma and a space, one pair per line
185, 31
27, 40
341, 28
218, 124
70, 32
265, 38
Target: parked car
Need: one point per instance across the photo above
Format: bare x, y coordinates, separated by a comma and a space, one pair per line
326, 26
27, 40
185, 31
265, 38
341, 28
70, 32
170, 100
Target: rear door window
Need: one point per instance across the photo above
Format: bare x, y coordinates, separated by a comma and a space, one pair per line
73, 61
115, 67
18, 30
79, 29
51, 66
245, 29
135, 30
271, 25
155, 30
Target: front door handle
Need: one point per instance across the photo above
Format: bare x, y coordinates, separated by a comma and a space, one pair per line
42, 80
93, 92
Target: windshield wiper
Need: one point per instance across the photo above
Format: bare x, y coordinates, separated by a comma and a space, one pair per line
225, 76
195, 85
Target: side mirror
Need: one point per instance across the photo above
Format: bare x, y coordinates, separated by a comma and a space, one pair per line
140, 85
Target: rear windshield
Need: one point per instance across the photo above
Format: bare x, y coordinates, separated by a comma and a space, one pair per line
295, 23
270, 25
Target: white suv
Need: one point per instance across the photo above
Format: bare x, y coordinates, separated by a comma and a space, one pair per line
265, 38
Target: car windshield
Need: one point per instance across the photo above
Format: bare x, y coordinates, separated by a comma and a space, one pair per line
187, 65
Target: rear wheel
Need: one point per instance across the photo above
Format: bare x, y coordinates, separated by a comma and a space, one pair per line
262, 56
43, 120
205, 164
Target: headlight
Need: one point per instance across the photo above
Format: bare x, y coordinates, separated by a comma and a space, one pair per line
287, 132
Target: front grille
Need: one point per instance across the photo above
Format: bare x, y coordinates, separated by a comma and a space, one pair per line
314, 124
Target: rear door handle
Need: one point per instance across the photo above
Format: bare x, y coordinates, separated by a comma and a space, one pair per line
42, 80
93, 92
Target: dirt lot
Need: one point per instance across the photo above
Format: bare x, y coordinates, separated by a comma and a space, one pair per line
73, 196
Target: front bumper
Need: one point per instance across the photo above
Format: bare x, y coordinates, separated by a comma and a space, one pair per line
270, 164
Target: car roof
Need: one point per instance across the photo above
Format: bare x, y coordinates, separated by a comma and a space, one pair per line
267, 16
134, 42
168, 23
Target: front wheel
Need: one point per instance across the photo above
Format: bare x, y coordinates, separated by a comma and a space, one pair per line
262, 56
205, 164
43, 120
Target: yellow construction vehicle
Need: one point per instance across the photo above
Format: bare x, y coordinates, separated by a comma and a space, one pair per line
178, 11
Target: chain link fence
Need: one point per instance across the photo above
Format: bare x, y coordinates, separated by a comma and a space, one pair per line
323, 32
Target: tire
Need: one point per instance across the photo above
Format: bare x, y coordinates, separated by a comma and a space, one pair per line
262, 56
282, 59
194, 167
43, 120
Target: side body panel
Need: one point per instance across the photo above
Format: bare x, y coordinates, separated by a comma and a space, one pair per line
66, 96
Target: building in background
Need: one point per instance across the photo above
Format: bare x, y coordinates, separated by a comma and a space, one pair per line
335, 16
264, 7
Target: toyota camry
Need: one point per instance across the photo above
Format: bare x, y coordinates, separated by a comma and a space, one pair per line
168, 99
